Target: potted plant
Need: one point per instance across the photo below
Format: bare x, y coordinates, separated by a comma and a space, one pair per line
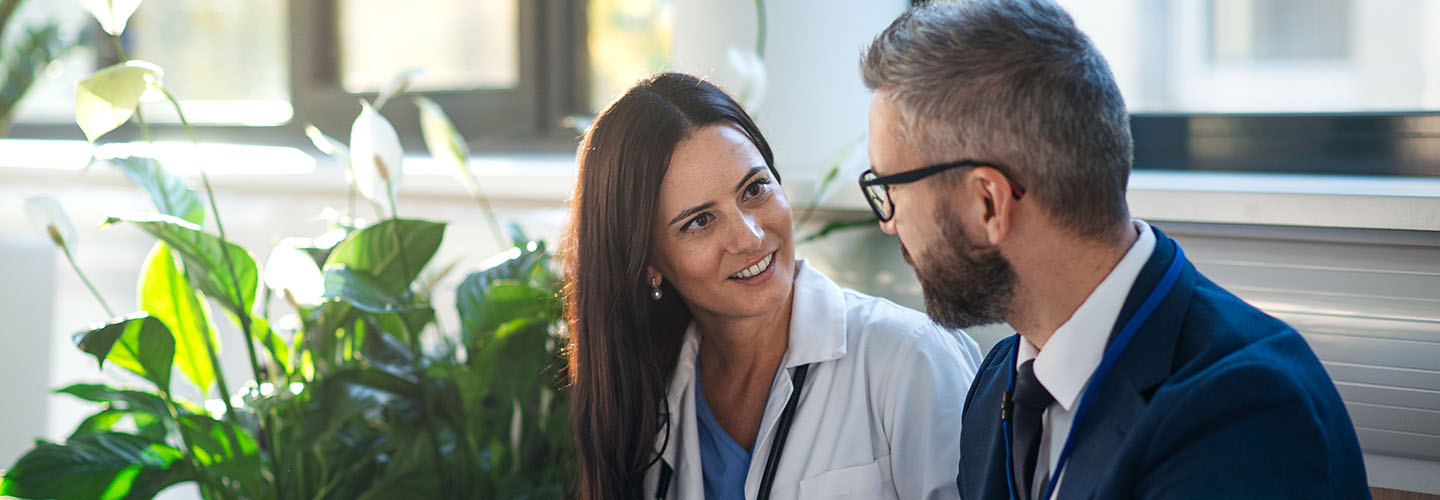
364, 398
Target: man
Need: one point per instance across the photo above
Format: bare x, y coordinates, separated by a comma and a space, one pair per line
1001, 150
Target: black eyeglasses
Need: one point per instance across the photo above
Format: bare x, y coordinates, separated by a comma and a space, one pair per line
877, 189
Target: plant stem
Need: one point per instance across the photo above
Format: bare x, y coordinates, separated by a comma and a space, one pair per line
88, 284
836, 226
210, 350
474, 188
399, 240
836, 162
267, 420
209, 344
417, 364
350, 202
183, 121
189, 449
760, 29
7, 7
139, 116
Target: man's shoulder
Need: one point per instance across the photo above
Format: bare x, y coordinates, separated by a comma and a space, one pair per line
1230, 356
1220, 332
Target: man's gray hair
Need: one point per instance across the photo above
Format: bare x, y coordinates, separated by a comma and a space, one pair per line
1016, 83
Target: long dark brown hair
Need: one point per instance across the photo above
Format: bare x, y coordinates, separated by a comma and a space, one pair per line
623, 345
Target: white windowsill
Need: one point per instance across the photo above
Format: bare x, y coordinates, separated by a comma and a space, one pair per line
1399, 203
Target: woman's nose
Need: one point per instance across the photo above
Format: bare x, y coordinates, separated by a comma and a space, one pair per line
748, 236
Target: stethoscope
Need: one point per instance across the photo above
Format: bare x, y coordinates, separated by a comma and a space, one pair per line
1112, 353
772, 461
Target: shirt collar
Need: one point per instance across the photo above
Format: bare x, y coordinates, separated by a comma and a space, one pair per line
1074, 351
817, 318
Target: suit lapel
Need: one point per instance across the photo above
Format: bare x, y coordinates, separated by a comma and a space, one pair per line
982, 439
1145, 364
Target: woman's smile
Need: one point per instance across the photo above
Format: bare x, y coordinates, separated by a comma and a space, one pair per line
757, 273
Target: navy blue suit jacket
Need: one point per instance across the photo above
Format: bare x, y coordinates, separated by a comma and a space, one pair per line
1211, 399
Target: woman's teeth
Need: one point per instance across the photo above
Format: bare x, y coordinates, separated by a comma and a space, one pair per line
751, 271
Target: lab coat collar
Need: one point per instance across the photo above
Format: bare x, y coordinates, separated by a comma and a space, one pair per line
817, 334
817, 318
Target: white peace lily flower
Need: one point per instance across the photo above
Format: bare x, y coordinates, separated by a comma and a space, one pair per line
751, 69
397, 85
107, 98
326, 144
112, 14
49, 218
376, 156
291, 271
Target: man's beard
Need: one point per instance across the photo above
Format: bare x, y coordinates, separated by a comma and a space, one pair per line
965, 284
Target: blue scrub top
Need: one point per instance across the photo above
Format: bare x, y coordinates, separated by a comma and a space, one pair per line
723, 461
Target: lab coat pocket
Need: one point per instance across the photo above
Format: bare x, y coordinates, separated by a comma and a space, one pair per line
859, 482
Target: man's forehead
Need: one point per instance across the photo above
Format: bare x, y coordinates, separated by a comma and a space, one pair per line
886, 145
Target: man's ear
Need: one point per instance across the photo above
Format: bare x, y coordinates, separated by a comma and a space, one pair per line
997, 201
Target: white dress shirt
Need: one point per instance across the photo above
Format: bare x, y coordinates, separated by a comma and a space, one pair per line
1074, 351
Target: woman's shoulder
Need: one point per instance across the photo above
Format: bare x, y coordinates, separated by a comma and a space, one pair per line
877, 323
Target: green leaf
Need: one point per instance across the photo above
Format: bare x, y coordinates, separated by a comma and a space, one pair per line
209, 439
139, 343
340, 398
168, 191
147, 426
373, 254
484, 309
517, 234
275, 345
169, 297
410, 321
99, 423
107, 465
203, 256
358, 290
121, 399
516, 265
24, 60
107, 98
839, 225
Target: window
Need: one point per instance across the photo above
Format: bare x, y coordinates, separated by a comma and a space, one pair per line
628, 39
1306, 86
257, 71
226, 61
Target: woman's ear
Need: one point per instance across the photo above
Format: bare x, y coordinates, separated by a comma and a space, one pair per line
652, 278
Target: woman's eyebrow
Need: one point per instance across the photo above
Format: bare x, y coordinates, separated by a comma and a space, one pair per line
753, 170
691, 211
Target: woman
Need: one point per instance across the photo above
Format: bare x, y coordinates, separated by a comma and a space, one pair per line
692, 325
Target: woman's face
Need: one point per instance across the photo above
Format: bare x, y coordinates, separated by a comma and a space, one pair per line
722, 235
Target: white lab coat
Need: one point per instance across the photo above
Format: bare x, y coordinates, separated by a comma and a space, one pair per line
879, 416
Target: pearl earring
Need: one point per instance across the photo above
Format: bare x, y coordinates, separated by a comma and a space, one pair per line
655, 292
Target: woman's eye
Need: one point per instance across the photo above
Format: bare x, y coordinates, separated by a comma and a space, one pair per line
698, 222
757, 188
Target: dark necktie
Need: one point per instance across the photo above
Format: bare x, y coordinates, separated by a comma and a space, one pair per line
1031, 399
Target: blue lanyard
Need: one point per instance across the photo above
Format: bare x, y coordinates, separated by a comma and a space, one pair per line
1112, 353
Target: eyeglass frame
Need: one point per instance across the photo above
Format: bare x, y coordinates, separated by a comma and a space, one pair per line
1016, 190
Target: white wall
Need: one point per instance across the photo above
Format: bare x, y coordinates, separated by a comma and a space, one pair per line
815, 104
27, 265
